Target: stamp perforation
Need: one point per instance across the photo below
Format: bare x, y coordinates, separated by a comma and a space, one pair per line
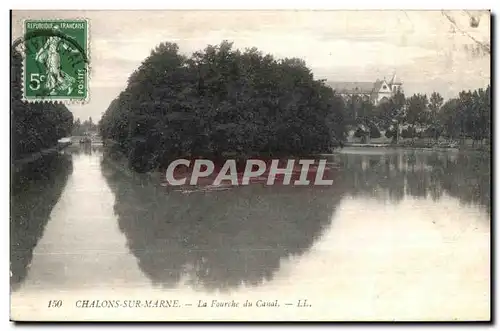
88, 68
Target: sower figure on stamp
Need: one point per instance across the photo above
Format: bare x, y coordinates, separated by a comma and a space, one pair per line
57, 79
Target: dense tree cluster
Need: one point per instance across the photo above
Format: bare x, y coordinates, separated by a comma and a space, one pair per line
466, 117
35, 126
221, 101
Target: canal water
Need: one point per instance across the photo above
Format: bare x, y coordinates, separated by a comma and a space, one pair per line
401, 235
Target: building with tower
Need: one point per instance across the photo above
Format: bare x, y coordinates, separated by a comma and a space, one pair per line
376, 92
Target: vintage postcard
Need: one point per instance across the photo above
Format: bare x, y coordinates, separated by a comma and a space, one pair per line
250, 165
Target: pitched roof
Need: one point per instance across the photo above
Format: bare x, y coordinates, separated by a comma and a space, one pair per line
378, 85
352, 87
395, 80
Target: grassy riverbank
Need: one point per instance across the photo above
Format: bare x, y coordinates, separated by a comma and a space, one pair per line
18, 164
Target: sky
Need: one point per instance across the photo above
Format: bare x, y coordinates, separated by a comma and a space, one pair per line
423, 48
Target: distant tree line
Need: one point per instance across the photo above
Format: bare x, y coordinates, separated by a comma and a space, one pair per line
218, 102
83, 128
467, 116
34, 126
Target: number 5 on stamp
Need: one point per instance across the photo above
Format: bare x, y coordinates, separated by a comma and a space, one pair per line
56, 60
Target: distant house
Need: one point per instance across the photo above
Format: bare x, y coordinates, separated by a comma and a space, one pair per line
377, 92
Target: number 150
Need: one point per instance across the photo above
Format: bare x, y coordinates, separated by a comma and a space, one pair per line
55, 303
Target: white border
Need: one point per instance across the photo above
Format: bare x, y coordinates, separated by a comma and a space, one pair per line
198, 4
255, 4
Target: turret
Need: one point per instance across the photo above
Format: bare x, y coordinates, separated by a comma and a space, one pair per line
395, 83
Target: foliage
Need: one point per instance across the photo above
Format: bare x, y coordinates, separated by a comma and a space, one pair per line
221, 101
359, 133
374, 132
433, 132
81, 129
468, 116
408, 132
390, 133
417, 114
358, 110
391, 112
34, 126
435, 102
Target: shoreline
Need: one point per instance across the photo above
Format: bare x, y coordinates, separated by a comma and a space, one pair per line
18, 164
484, 148
118, 160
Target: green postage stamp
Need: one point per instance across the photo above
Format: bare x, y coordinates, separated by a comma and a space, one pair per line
56, 63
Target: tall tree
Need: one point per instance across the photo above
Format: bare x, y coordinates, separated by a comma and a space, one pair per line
434, 127
392, 114
435, 102
449, 117
417, 114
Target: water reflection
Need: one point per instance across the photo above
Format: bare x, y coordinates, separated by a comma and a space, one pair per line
34, 192
84, 149
392, 175
217, 240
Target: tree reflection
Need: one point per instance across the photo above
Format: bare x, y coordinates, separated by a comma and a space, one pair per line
221, 240
394, 175
217, 240
34, 192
